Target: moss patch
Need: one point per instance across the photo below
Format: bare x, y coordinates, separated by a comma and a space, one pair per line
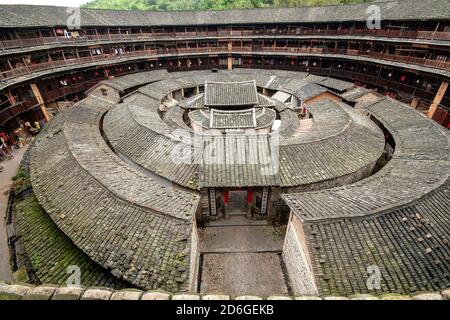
51, 251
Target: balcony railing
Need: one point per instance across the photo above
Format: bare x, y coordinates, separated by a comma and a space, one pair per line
438, 64
23, 106
65, 91
12, 111
403, 34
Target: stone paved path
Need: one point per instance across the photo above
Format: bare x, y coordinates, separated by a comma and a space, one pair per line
241, 239
10, 170
239, 260
243, 274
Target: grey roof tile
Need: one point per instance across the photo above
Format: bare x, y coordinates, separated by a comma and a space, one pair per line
28, 16
230, 94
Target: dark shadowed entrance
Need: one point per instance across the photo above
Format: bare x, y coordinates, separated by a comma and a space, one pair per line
237, 202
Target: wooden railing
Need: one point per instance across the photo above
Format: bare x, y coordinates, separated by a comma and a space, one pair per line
12, 111
404, 34
438, 64
65, 91
370, 79
23, 106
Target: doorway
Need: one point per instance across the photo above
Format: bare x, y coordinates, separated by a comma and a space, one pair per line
237, 202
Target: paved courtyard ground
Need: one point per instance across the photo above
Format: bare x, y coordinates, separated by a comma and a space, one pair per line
10, 169
241, 260
241, 239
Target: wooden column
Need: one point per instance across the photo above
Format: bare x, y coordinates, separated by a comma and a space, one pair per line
230, 63
435, 30
438, 98
249, 203
10, 65
414, 102
11, 98
25, 64
40, 100
225, 202
230, 58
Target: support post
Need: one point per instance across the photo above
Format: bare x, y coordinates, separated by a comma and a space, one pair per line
249, 204
230, 58
230, 63
11, 98
437, 99
225, 201
40, 100
414, 102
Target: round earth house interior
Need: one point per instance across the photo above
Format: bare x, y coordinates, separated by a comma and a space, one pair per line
212, 169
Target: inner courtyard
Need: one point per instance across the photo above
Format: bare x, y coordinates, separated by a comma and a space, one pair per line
284, 152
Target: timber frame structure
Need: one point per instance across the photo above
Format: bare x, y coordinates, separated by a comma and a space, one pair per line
42, 62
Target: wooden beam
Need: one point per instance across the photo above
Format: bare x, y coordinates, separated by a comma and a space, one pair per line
230, 63
37, 93
438, 98
40, 100
230, 58
414, 102
11, 98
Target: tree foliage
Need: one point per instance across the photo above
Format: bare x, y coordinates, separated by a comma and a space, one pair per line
206, 4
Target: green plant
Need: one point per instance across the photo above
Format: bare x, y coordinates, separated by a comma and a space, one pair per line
20, 174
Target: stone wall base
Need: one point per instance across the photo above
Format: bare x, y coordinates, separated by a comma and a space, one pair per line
53, 292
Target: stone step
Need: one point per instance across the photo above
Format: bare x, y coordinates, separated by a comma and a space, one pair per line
236, 220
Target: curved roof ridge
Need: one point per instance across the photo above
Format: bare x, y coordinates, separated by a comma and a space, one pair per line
413, 177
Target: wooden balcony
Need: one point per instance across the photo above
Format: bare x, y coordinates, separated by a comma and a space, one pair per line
9, 74
12, 111
382, 33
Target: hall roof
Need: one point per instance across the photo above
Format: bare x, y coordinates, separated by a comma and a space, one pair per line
242, 93
198, 102
231, 120
344, 146
238, 161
